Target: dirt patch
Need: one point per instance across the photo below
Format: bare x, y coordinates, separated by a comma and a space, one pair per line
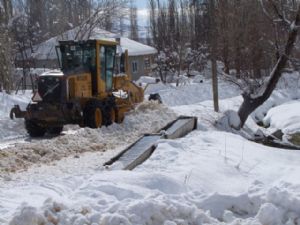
295, 139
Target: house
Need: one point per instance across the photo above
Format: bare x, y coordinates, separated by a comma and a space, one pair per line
141, 56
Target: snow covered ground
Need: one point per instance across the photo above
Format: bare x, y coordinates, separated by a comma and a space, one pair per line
9, 129
208, 177
191, 93
285, 117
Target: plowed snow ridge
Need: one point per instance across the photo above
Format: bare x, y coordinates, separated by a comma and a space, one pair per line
147, 117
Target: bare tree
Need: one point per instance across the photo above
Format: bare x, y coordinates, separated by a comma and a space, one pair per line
5, 60
5, 45
167, 63
103, 16
153, 21
254, 97
134, 35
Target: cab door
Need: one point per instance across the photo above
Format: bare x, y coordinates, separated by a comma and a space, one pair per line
107, 62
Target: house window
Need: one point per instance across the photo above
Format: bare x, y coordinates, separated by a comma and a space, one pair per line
147, 63
134, 67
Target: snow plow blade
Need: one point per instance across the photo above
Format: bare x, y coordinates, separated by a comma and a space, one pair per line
180, 127
17, 112
143, 148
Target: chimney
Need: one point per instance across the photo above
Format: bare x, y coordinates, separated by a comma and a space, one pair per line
118, 40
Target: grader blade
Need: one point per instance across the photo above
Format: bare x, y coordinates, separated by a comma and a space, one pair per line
143, 148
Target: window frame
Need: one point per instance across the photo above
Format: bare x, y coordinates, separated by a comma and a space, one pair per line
147, 63
134, 66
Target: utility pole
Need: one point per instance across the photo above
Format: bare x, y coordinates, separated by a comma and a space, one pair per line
213, 53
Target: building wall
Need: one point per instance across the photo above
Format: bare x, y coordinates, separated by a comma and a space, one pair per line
140, 65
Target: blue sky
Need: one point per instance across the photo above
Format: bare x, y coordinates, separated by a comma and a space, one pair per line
141, 4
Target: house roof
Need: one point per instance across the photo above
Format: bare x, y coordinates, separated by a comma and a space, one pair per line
46, 50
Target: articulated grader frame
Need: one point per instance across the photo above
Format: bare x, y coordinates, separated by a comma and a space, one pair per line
87, 91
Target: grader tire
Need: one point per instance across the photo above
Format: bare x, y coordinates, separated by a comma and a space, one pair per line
109, 111
34, 130
109, 115
93, 114
55, 130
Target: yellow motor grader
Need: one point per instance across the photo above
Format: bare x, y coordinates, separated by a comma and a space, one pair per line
92, 89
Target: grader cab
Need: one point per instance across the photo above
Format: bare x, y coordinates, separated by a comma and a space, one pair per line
92, 89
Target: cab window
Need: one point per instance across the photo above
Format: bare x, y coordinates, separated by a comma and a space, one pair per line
107, 63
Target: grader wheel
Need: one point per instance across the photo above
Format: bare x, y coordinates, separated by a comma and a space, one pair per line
55, 130
33, 129
93, 114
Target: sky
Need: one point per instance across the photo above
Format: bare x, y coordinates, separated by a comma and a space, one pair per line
141, 4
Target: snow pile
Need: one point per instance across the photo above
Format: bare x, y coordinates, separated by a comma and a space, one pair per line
191, 93
285, 117
198, 79
146, 80
146, 118
277, 98
229, 120
233, 175
121, 202
205, 178
286, 90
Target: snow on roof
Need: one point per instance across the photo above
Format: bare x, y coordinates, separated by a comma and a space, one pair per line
57, 73
46, 50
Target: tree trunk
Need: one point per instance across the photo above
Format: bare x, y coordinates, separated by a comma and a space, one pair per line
215, 84
247, 107
213, 49
252, 102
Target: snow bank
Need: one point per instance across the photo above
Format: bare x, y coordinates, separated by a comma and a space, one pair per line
285, 117
229, 120
233, 174
191, 93
114, 201
146, 118
277, 98
146, 80
286, 90
205, 178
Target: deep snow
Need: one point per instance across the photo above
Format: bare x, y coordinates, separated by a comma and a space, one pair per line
208, 177
285, 117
